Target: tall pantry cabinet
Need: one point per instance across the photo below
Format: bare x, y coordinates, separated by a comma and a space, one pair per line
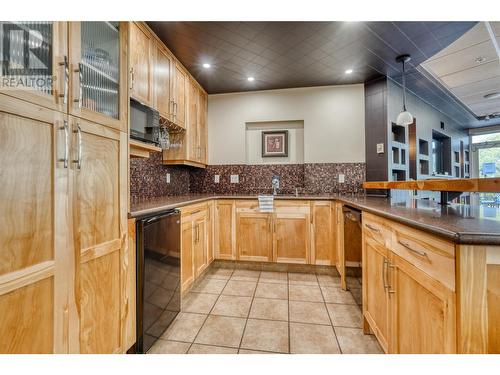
64, 257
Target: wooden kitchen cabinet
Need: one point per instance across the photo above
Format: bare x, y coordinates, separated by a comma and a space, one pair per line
187, 261
375, 293
162, 88
210, 231
180, 84
292, 232
100, 183
225, 229
98, 72
192, 133
200, 247
254, 236
36, 249
423, 312
407, 304
202, 127
53, 96
141, 67
323, 233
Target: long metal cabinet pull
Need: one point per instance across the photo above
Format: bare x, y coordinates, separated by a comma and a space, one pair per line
132, 79
79, 100
389, 286
64, 95
408, 247
65, 127
78, 132
384, 274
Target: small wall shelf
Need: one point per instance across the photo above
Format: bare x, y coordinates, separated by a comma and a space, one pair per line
138, 149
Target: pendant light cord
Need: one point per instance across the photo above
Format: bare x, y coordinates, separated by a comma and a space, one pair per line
404, 87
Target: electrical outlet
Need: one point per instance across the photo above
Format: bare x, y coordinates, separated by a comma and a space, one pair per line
217, 178
380, 148
168, 178
341, 178
235, 179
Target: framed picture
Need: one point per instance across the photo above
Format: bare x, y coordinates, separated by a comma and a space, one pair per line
275, 143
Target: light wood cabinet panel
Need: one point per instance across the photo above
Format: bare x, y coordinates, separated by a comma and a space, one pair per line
254, 236
98, 72
36, 253
210, 229
187, 261
53, 96
225, 222
192, 132
162, 73
140, 65
292, 237
339, 244
375, 295
100, 216
179, 97
423, 312
323, 234
200, 248
202, 127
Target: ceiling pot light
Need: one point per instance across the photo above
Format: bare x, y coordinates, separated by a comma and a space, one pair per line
492, 95
206, 65
405, 117
480, 59
251, 79
348, 71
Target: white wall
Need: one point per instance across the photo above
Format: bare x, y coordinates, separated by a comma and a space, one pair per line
333, 116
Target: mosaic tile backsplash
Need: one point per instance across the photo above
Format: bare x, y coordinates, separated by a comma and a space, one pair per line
148, 178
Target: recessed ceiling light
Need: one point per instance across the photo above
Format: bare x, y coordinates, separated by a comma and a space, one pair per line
206, 65
492, 95
251, 79
348, 71
480, 59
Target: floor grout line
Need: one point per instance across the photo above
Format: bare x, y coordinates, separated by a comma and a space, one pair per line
248, 314
331, 322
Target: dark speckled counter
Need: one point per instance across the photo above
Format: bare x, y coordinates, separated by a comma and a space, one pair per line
458, 223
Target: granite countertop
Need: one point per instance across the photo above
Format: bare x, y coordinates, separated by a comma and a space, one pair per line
459, 223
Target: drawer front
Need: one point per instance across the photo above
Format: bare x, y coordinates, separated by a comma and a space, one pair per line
292, 207
247, 206
376, 228
430, 254
193, 209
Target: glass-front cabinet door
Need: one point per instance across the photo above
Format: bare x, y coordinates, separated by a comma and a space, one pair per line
98, 72
34, 62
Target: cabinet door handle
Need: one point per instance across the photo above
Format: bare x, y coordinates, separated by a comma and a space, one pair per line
415, 251
389, 286
65, 127
132, 78
384, 274
80, 89
373, 228
78, 160
64, 95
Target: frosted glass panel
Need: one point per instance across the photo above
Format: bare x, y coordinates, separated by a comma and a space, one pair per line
100, 67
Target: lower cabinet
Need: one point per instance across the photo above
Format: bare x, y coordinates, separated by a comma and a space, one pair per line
409, 310
224, 232
254, 236
195, 238
323, 233
292, 226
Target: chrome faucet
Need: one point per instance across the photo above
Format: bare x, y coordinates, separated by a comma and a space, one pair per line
276, 184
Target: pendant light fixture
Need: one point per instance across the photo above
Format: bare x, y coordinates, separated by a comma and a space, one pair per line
405, 117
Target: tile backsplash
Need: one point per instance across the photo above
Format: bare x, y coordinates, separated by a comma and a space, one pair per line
148, 178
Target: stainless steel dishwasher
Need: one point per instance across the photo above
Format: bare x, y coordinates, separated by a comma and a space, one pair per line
158, 276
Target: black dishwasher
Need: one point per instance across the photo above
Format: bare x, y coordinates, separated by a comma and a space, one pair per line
158, 276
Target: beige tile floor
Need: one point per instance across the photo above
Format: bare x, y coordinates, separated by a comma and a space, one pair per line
246, 312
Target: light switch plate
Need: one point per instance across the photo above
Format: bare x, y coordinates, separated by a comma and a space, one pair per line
168, 178
341, 178
235, 179
380, 148
217, 178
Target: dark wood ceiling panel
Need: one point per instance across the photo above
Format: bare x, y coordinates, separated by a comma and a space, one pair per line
298, 54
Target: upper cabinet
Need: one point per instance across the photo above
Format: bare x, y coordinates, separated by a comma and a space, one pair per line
41, 49
98, 76
162, 85
179, 97
141, 76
